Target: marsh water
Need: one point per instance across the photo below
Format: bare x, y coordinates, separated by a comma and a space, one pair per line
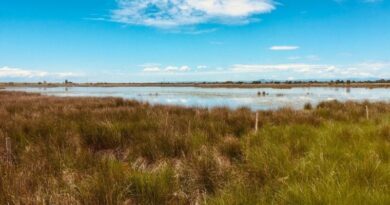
230, 97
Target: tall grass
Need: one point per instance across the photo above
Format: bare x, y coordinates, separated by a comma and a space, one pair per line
113, 151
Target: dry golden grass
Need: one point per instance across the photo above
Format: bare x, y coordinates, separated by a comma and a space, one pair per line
114, 151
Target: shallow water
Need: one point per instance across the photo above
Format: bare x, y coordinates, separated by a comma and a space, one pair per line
230, 97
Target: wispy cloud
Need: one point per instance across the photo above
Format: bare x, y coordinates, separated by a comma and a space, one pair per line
173, 13
283, 48
167, 69
264, 68
374, 65
190, 30
152, 69
371, 69
294, 58
201, 67
8, 72
279, 71
177, 69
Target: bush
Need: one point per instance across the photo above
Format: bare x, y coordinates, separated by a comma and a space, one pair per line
308, 106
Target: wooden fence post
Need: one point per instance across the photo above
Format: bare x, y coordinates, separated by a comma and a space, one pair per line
367, 113
8, 150
166, 123
257, 122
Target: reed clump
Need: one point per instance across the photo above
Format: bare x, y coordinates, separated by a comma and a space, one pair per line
112, 151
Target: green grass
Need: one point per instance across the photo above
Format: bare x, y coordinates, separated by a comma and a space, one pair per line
113, 151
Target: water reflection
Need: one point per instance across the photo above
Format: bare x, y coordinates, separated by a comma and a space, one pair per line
256, 99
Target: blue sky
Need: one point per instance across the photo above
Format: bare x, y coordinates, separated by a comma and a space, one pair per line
193, 40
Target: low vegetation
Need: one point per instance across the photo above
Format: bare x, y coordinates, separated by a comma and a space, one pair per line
228, 84
111, 151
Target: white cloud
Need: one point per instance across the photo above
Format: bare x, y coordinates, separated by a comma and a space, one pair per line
297, 70
374, 65
17, 73
7, 72
375, 69
283, 48
172, 13
190, 30
170, 69
177, 69
152, 69
294, 58
263, 68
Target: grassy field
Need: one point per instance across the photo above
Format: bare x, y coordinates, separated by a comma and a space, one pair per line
111, 151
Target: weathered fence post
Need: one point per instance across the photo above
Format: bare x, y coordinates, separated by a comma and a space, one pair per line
257, 122
8, 150
367, 112
166, 123
166, 120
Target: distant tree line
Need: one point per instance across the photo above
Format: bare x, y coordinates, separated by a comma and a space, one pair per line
331, 82
297, 82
